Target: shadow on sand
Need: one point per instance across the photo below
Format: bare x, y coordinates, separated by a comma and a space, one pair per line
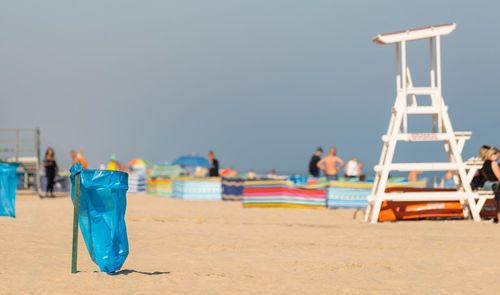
129, 271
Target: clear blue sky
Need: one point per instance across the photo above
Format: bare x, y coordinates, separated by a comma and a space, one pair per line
262, 83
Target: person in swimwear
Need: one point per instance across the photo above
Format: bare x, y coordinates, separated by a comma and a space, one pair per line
331, 165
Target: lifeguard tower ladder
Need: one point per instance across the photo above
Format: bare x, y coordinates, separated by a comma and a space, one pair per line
407, 104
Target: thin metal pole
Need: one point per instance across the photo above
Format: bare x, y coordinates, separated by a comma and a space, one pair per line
17, 145
76, 214
37, 148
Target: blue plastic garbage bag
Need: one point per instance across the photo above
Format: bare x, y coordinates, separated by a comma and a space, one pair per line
102, 211
8, 186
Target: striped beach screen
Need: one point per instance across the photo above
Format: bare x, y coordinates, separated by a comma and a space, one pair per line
353, 194
197, 188
159, 186
282, 193
232, 189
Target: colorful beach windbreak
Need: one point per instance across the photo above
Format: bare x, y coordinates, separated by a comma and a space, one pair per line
192, 188
232, 188
283, 193
353, 194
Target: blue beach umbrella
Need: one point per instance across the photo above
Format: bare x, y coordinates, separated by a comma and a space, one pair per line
192, 161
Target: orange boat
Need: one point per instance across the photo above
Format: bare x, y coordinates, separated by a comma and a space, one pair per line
392, 210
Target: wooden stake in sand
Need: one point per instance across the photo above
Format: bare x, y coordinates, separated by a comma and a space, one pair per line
76, 214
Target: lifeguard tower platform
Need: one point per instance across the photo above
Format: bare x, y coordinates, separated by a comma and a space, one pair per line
407, 103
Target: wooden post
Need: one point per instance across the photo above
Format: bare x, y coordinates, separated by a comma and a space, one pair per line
76, 214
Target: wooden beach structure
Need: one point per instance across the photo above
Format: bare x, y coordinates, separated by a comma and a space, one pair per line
22, 145
407, 103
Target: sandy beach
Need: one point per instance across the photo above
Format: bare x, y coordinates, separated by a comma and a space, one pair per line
186, 247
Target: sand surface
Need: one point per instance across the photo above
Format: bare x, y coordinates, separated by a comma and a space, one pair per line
196, 247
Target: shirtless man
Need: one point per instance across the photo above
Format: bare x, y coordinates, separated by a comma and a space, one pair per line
329, 165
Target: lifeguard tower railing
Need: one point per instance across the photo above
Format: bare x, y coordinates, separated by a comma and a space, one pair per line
22, 145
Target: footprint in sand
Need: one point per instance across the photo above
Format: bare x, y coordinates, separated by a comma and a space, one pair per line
166, 219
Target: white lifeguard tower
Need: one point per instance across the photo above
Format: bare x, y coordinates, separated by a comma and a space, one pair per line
408, 104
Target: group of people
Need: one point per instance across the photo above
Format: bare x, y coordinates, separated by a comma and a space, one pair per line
51, 168
331, 165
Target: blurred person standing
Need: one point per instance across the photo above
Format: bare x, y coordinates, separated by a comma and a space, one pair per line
82, 159
313, 164
78, 158
331, 164
50, 166
351, 169
214, 170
